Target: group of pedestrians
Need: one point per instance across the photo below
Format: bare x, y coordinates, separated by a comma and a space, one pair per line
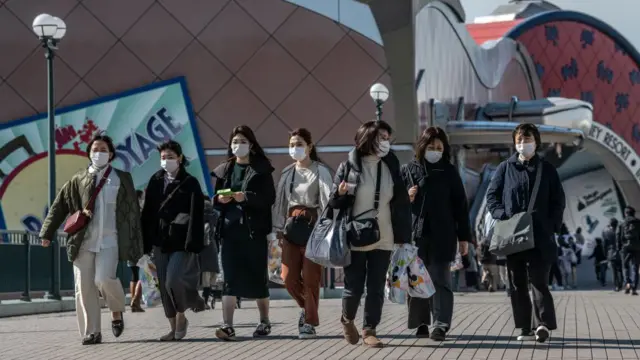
422, 202
619, 250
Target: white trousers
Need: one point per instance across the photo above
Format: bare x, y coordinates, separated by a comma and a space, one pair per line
95, 272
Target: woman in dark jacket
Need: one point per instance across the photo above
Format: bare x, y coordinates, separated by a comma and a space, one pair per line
368, 187
509, 194
173, 227
243, 226
440, 223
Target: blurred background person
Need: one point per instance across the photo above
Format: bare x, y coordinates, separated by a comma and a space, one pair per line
613, 253
209, 266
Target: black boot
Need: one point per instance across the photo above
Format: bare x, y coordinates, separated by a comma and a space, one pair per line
92, 339
117, 326
206, 293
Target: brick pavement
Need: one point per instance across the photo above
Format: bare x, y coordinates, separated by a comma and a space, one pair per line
593, 325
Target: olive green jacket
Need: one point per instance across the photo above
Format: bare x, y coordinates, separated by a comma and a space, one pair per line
74, 196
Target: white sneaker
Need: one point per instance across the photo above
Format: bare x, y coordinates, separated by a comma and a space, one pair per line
307, 332
301, 319
526, 336
542, 334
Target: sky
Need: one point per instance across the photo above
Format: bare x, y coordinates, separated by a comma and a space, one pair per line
623, 15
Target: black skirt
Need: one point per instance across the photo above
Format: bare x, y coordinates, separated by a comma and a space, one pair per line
208, 258
244, 262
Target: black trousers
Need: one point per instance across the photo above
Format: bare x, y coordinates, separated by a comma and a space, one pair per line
440, 304
526, 268
367, 268
630, 262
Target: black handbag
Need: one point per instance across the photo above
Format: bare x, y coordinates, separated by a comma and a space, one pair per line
366, 231
297, 229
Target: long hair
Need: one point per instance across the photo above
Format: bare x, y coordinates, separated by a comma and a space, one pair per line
256, 150
366, 139
306, 136
427, 137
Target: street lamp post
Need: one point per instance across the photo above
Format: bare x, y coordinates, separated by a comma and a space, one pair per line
50, 30
379, 93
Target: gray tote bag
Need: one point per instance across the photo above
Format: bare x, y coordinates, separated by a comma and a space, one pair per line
516, 234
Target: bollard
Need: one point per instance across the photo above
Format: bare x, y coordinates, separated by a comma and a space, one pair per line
54, 283
26, 294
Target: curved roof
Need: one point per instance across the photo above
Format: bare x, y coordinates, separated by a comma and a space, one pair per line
482, 33
350, 13
579, 56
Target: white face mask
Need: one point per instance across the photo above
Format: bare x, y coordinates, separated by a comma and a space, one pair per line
298, 153
383, 148
433, 156
526, 149
240, 150
169, 165
99, 159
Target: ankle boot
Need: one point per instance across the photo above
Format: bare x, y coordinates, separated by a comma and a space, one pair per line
136, 295
369, 338
350, 331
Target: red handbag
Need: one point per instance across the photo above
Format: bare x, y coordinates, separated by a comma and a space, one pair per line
79, 219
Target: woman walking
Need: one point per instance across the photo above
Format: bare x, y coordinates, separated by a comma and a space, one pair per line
509, 194
440, 226
246, 194
173, 228
368, 186
209, 266
107, 198
303, 191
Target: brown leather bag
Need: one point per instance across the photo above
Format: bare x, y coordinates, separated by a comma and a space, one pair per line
79, 220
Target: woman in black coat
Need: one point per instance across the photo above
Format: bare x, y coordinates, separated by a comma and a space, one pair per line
440, 225
173, 228
368, 186
510, 193
243, 226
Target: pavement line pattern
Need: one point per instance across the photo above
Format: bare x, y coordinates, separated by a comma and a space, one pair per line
592, 325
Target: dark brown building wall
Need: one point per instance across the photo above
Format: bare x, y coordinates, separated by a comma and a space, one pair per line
265, 63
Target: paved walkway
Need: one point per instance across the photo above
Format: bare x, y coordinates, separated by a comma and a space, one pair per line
593, 325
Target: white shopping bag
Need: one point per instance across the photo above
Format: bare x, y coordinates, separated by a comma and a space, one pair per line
394, 294
420, 284
275, 261
398, 272
149, 280
588, 247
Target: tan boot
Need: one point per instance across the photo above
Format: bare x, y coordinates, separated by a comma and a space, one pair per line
369, 338
136, 296
350, 331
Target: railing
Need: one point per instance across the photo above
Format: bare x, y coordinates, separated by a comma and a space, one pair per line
16, 249
23, 261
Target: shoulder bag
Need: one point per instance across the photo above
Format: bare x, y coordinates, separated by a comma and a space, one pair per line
80, 219
515, 235
366, 231
297, 229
